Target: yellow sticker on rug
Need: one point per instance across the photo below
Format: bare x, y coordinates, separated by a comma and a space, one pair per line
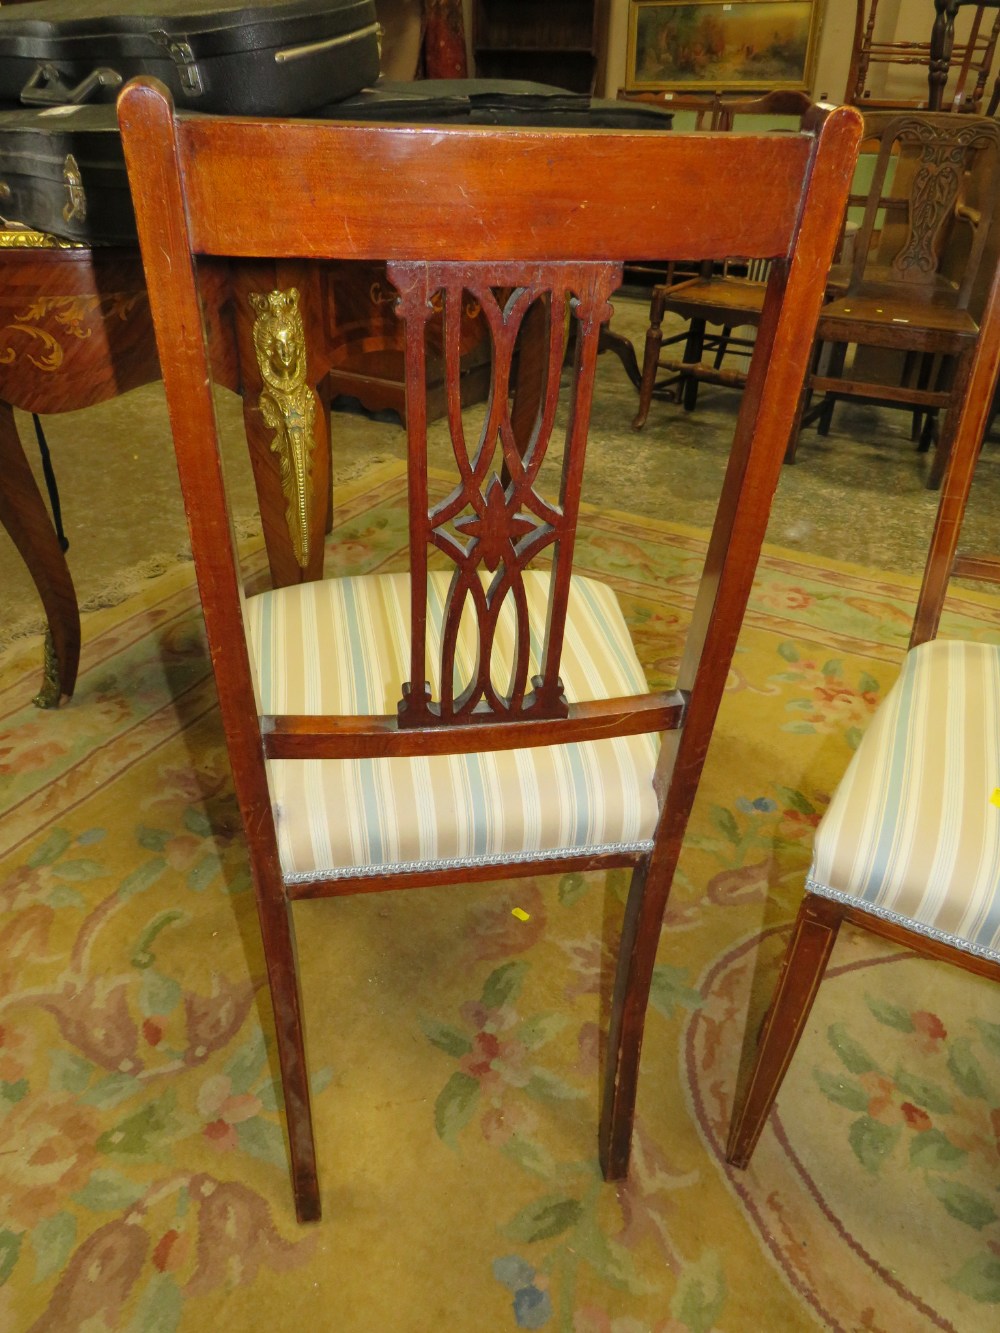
522, 915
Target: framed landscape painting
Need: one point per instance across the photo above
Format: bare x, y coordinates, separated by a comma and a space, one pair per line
718, 45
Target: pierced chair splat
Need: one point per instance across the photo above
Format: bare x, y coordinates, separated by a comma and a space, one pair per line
483, 712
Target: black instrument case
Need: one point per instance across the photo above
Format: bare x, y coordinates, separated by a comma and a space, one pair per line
62, 169
272, 58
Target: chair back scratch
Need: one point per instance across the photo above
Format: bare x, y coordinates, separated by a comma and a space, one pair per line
489, 717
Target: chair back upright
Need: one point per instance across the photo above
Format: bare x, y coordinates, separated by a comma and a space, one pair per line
944, 560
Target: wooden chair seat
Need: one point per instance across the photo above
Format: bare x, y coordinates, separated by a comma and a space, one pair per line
884, 315
718, 300
341, 647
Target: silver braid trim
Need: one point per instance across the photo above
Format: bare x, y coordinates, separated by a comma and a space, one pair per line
918, 927
466, 862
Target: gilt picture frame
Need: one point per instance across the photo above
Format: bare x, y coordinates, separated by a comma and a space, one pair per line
721, 45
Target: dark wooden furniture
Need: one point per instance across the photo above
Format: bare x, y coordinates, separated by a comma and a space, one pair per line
74, 331
729, 296
554, 42
389, 192
934, 193
942, 53
973, 59
822, 912
367, 349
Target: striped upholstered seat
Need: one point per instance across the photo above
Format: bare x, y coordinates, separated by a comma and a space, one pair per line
342, 646
911, 834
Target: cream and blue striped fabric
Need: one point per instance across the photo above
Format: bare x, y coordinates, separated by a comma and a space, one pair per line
342, 646
912, 834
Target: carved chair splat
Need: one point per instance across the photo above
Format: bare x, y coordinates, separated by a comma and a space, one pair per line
516, 662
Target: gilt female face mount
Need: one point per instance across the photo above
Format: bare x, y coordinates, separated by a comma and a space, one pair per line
717, 46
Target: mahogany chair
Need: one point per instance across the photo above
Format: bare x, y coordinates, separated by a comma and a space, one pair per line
491, 719
729, 296
932, 201
909, 847
971, 58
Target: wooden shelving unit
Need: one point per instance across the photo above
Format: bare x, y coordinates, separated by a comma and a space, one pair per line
548, 41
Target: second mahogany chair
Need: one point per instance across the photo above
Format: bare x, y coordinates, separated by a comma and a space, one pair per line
909, 847
482, 719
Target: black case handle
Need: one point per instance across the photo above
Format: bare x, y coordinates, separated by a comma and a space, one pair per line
46, 86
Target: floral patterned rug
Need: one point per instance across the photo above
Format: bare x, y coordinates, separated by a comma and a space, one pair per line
455, 1043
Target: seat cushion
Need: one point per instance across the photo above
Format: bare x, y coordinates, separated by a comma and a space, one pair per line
342, 646
912, 834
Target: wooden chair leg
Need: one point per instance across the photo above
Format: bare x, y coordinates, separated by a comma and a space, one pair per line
813, 938
722, 345
650, 361
792, 447
693, 351
634, 974
277, 930
961, 372
838, 356
925, 367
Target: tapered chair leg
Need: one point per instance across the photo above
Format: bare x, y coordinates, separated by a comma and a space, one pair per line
650, 360
920, 432
813, 938
636, 955
958, 387
838, 356
279, 949
722, 345
792, 447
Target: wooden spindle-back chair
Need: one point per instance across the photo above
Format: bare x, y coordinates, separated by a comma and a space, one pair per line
434, 727
730, 295
971, 58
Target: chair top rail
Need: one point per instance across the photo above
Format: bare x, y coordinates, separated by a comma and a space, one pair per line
331, 186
